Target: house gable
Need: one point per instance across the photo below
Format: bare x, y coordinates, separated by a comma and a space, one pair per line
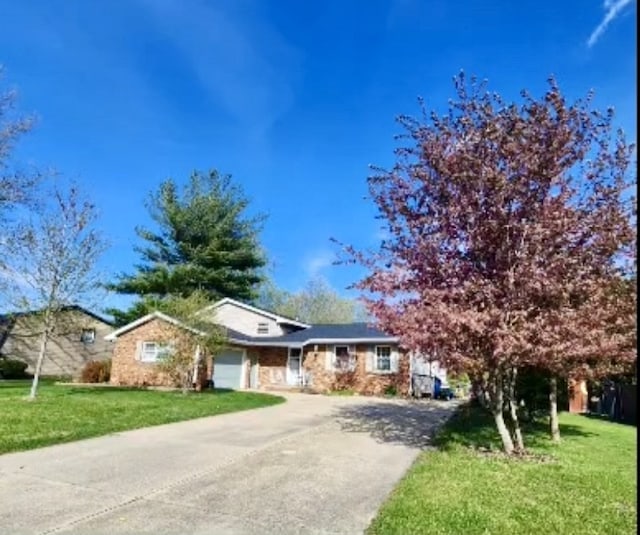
250, 320
78, 339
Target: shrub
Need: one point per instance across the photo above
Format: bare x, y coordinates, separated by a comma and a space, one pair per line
12, 369
390, 390
96, 371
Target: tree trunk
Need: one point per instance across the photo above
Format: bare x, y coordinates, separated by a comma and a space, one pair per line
513, 411
554, 426
44, 339
507, 442
496, 395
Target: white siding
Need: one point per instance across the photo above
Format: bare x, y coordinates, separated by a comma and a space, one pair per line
245, 321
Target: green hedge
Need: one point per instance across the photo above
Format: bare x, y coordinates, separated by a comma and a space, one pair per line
12, 368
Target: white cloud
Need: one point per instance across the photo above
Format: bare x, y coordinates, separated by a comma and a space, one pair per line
613, 9
317, 262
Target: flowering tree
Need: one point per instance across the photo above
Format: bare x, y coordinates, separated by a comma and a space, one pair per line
506, 223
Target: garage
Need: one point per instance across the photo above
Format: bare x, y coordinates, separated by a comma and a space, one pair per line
227, 369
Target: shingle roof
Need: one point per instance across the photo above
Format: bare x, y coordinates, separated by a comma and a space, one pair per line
318, 333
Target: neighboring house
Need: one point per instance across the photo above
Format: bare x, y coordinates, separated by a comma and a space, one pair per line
266, 350
77, 339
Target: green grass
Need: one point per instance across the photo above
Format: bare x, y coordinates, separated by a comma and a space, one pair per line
64, 413
588, 487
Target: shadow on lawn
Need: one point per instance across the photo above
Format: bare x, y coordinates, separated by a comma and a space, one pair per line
412, 424
474, 427
419, 424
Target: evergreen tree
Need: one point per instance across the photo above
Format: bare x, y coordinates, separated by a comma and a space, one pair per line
203, 241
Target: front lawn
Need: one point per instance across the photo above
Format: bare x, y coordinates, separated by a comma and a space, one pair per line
586, 485
64, 413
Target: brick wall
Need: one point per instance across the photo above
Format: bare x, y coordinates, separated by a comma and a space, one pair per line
359, 379
273, 363
126, 369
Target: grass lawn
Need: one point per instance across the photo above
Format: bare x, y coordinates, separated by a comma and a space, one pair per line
587, 486
63, 413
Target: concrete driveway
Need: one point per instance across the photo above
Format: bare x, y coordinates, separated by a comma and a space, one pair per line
315, 464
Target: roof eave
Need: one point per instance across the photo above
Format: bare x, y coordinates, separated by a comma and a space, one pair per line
302, 343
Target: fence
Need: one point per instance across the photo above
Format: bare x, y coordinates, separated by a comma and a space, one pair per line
618, 402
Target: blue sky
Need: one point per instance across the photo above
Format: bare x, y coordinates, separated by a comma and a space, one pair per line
294, 99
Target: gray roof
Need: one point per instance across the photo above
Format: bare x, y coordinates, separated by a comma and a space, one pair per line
318, 333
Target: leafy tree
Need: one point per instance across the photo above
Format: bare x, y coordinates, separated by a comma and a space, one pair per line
317, 302
507, 223
203, 242
51, 263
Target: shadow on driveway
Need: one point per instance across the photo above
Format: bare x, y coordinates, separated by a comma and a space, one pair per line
411, 423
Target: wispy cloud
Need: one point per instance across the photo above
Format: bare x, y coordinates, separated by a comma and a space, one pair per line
612, 9
243, 63
317, 262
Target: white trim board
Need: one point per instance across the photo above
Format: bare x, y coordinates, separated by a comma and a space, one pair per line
276, 317
145, 319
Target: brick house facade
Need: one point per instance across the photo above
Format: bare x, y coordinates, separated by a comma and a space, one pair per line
267, 351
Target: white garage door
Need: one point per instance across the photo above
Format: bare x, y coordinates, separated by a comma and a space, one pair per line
227, 369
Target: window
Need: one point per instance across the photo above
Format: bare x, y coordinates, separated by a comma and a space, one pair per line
263, 328
149, 352
344, 359
152, 351
88, 336
383, 358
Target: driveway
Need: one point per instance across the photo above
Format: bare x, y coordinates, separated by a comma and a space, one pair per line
315, 465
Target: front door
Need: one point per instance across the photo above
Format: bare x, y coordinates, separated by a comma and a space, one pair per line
294, 367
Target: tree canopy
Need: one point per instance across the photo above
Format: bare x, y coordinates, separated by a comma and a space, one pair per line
203, 241
508, 223
317, 302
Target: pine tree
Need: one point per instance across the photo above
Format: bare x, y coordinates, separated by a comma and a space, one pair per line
203, 241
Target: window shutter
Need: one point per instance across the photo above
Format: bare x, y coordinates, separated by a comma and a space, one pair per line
138, 354
353, 358
370, 363
395, 358
328, 359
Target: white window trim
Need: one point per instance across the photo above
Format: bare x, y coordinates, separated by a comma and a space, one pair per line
145, 355
160, 349
352, 358
375, 360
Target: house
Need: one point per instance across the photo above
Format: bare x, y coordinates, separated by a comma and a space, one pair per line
268, 351
77, 339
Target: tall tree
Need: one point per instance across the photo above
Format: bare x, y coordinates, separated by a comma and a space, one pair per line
52, 263
16, 183
317, 302
203, 241
506, 223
